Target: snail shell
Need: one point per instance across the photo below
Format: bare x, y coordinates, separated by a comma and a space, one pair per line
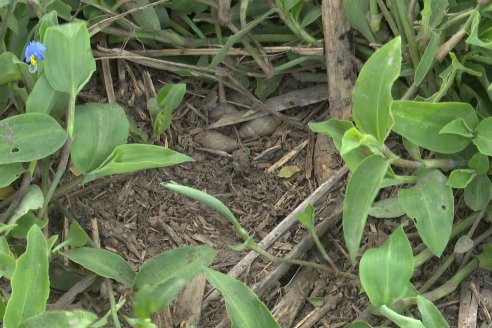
216, 140
221, 110
260, 127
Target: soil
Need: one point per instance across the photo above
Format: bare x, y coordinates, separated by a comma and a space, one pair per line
138, 218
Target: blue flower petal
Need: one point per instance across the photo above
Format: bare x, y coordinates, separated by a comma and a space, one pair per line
36, 49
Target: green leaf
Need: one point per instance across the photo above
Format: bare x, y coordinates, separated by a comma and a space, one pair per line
7, 266
353, 139
98, 130
474, 37
266, 86
427, 59
480, 163
211, 201
361, 191
485, 258
336, 129
431, 317
371, 95
9, 71
421, 122
29, 137
145, 18
306, 217
61, 319
386, 209
478, 193
460, 178
161, 109
356, 12
457, 127
311, 16
76, 237
103, 262
483, 138
400, 320
32, 200
68, 63
431, 205
184, 262
288, 171
25, 223
9, 173
385, 271
316, 301
243, 307
30, 281
134, 157
44, 99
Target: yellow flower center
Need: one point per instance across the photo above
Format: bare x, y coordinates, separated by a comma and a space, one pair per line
32, 60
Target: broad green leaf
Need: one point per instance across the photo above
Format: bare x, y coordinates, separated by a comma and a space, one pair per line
386, 209
49, 19
306, 217
460, 178
431, 205
480, 163
266, 86
33, 200
431, 317
145, 18
485, 258
421, 122
9, 173
483, 138
353, 139
98, 130
184, 262
9, 71
103, 262
211, 201
29, 137
474, 37
385, 271
361, 191
356, 12
161, 109
371, 95
25, 223
134, 157
76, 237
44, 99
68, 63
30, 281
151, 299
400, 320
243, 307
336, 129
61, 319
7, 266
458, 127
427, 59
478, 193
311, 16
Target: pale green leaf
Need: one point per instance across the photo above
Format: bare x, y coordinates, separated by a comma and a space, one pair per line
478, 193
400, 320
9, 173
61, 319
431, 316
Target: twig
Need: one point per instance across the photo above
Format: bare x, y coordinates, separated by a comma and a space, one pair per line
291, 154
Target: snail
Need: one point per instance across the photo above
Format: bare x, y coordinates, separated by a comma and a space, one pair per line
259, 127
216, 140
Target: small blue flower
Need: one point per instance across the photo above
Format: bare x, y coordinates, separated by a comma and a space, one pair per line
34, 52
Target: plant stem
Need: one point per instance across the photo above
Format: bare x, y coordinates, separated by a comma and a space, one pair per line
437, 273
388, 17
278, 260
17, 197
62, 166
408, 29
69, 186
321, 249
455, 19
114, 311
